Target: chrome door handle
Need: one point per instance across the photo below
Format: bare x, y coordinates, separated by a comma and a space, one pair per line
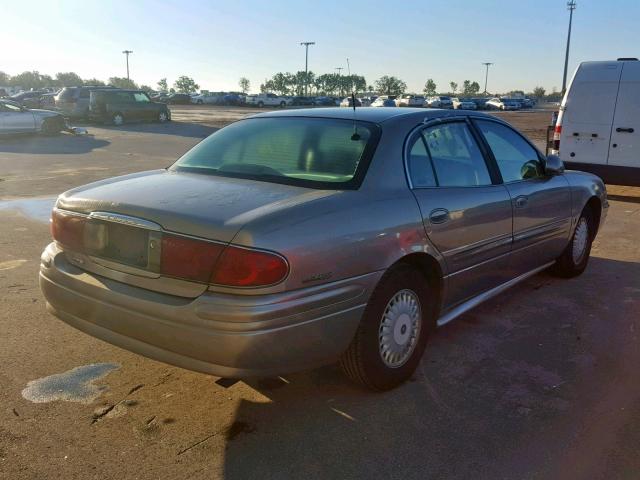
439, 215
627, 130
521, 201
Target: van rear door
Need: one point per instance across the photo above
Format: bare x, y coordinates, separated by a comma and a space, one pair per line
625, 134
588, 112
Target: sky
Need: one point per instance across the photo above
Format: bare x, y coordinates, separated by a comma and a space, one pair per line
218, 42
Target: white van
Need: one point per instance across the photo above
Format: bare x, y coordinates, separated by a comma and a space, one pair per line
598, 127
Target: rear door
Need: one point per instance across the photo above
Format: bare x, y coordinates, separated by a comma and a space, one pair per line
145, 108
541, 203
587, 113
625, 135
466, 214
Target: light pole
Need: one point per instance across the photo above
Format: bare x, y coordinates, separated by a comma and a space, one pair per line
486, 75
127, 52
571, 6
306, 64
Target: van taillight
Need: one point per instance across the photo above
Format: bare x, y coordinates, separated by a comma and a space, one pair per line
188, 258
557, 132
67, 229
243, 267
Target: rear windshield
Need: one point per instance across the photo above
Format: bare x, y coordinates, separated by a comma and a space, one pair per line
66, 93
309, 152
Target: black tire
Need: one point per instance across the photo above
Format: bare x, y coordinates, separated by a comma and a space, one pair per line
569, 264
52, 126
283, 104
163, 116
363, 360
199, 102
260, 104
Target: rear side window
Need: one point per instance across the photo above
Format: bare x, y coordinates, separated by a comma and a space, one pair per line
516, 159
420, 166
455, 156
140, 97
312, 152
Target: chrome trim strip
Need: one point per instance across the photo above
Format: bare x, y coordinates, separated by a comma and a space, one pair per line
542, 231
479, 246
125, 220
478, 299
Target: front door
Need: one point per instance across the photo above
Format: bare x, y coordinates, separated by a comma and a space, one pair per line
15, 120
541, 203
624, 149
465, 214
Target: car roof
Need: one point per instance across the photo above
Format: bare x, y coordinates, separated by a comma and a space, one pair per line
368, 114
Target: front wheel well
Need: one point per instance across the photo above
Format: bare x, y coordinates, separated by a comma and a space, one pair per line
430, 269
595, 207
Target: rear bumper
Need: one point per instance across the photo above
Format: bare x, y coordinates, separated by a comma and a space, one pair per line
220, 334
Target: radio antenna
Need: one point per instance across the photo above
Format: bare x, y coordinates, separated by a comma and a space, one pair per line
355, 137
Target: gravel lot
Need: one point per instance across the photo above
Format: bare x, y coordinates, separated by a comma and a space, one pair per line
540, 383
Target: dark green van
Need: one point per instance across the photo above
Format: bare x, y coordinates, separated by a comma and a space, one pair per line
119, 106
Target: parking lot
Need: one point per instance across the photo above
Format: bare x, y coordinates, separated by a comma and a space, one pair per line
539, 383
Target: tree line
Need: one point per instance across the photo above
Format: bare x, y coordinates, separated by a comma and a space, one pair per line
282, 83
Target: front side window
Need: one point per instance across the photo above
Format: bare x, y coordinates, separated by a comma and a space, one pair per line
141, 97
311, 152
516, 159
455, 155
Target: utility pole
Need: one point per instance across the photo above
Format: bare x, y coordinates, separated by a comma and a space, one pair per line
571, 6
306, 64
127, 52
339, 69
486, 75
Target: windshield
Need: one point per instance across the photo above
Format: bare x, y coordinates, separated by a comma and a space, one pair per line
310, 152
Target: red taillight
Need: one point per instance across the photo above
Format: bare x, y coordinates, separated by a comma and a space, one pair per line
67, 229
188, 258
241, 267
557, 132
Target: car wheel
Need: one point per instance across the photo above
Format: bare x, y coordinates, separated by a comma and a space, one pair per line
393, 331
163, 117
575, 257
51, 126
117, 119
260, 104
282, 104
199, 102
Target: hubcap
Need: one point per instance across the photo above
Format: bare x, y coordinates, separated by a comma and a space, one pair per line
580, 239
399, 328
163, 116
117, 119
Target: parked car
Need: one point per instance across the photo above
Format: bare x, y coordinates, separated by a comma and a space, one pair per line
233, 99
29, 99
239, 262
384, 101
15, 118
324, 101
410, 101
463, 104
267, 100
119, 106
302, 101
178, 99
598, 126
74, 101
481, 103
502, 104
348, 102
210, 98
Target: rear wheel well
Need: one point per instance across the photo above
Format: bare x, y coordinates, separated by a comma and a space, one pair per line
595, 207
430, 269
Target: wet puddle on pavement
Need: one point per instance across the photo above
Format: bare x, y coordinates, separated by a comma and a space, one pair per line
75, 385
36, 208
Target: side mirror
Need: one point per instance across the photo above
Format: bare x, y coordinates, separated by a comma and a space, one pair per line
553, 165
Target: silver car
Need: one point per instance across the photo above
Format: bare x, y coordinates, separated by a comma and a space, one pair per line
298, 238
17, 119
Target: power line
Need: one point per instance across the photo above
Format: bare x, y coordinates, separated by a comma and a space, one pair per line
127, 52
571, 6
486, 75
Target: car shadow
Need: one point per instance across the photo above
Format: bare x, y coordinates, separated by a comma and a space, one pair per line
182, 129
60, 144
623, 198
496, 395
